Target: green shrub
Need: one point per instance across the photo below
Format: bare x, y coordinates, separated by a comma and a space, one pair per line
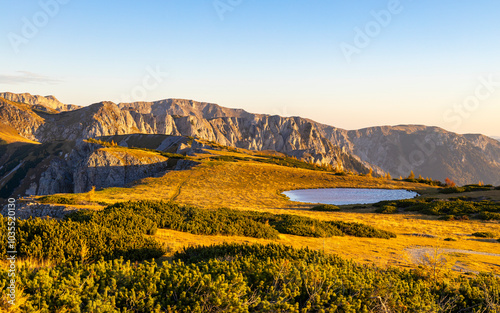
450, 239
452, 190
410, 204
361, 230
484, 234
451, 208
466, 188
447, 218
62, 241
325, 208
303, 226
489, 216
428, 181
57, 199
198, 221
387, 209
245, 278
229, 222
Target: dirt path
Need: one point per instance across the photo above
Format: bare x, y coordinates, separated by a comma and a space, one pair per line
178, 189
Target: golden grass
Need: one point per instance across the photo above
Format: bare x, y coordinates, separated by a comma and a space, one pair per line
9, 135
257, 186
382, 252
240, 185
143, 155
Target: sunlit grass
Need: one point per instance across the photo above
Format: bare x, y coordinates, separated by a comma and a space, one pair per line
382, 252
252, 185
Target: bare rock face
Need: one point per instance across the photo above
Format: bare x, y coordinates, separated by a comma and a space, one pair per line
105, 168
56, 179
25, 210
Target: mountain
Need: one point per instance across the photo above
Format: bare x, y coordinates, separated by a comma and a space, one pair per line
294, 136
496, 137
428, 151
47, 103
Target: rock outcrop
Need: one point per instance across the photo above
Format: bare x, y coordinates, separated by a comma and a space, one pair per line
69, 167
27, 209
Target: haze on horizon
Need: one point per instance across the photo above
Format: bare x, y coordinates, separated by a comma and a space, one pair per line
350, 65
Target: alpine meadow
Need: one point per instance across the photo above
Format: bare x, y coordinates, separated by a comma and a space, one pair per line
242, 156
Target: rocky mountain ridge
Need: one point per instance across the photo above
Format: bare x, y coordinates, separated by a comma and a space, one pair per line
44, 103
428, 151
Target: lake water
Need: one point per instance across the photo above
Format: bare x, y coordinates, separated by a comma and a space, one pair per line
340, 196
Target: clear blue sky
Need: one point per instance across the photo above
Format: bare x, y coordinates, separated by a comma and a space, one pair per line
425, 63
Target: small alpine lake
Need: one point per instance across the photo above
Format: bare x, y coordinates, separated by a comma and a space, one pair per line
342, 196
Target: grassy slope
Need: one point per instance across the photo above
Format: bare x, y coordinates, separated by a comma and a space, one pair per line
241, 185
142, 155
257, 186
9, 135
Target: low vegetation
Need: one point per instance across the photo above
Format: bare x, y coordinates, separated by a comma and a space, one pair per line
191, 219
57, 199
484, 234
66, 241
325, 208
112, 144
427, 181
247, 278
387, 209
466, 188
225, 221
124, 230
451, 209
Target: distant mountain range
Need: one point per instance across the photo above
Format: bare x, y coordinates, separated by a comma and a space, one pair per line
428, 151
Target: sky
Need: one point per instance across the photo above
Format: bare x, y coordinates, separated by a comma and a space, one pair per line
350, 64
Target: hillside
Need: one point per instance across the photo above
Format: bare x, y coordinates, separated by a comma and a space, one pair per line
238, 179
428, 151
